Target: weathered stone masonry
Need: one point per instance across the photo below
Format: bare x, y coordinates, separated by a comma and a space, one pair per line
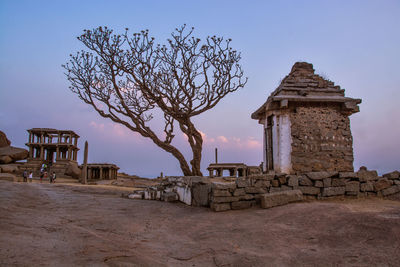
308, 153
234, 193
306, 124
316, 145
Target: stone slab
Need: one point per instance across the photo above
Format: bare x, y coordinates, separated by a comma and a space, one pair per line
320, 175
353, 186
382, 184
392, 175
224, 199
309, 190
280, 198
333, 191
221, 193
224, 186
220, 206
391, 190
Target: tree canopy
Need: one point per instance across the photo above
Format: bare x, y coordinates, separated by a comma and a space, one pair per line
128, 78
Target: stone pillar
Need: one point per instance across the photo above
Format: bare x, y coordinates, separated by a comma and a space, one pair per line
101, 173
69, 153
30, 152
84, 168
211, 173
41, 153
89, 173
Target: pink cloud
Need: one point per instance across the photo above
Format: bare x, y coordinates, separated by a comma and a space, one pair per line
222, 139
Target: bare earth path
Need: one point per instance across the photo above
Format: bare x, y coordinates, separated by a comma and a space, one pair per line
64, 225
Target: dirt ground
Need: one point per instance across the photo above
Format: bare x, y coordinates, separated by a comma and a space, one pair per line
73, 225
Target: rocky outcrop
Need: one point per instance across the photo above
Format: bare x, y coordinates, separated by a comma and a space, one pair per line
9, 168
9, 154
4, 140
73, 171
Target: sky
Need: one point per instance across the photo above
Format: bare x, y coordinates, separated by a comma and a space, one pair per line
353, 43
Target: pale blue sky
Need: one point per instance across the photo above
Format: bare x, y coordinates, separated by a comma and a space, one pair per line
353, 43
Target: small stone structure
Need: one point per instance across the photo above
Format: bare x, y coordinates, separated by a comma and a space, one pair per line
308, 154
56, 148
102, 171
306, 124
235, 169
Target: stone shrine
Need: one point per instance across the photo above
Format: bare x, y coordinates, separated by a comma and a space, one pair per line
306, 124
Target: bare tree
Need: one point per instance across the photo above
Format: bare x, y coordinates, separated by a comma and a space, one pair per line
127, 78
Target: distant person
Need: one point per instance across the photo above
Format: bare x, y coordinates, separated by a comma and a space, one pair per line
53, 177
30, 177
25, 175
45, 175
41, 175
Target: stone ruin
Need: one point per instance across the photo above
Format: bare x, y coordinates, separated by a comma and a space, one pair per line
306, 124
308, 154
58, 149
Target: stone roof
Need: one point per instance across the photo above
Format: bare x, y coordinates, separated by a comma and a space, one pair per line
51, 131
303, 85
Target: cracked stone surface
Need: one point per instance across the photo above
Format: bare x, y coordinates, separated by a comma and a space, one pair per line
66, 225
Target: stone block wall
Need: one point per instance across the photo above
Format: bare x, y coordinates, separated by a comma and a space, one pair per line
233, 193
321, 139
191, 190
242, 193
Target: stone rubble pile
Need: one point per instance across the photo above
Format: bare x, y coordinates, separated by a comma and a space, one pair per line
269, 190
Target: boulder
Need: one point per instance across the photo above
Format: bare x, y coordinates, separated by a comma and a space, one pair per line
4, 140
280, 198
9, 168
13, 153
73, 171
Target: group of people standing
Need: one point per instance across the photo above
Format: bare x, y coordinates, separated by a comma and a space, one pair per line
43, 175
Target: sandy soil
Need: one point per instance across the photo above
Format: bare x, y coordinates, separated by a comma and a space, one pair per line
72, 225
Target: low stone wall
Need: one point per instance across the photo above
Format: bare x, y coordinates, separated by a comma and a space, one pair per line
191, 190
246, 192
233, 193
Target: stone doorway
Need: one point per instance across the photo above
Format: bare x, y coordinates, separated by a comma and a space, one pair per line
268, 147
